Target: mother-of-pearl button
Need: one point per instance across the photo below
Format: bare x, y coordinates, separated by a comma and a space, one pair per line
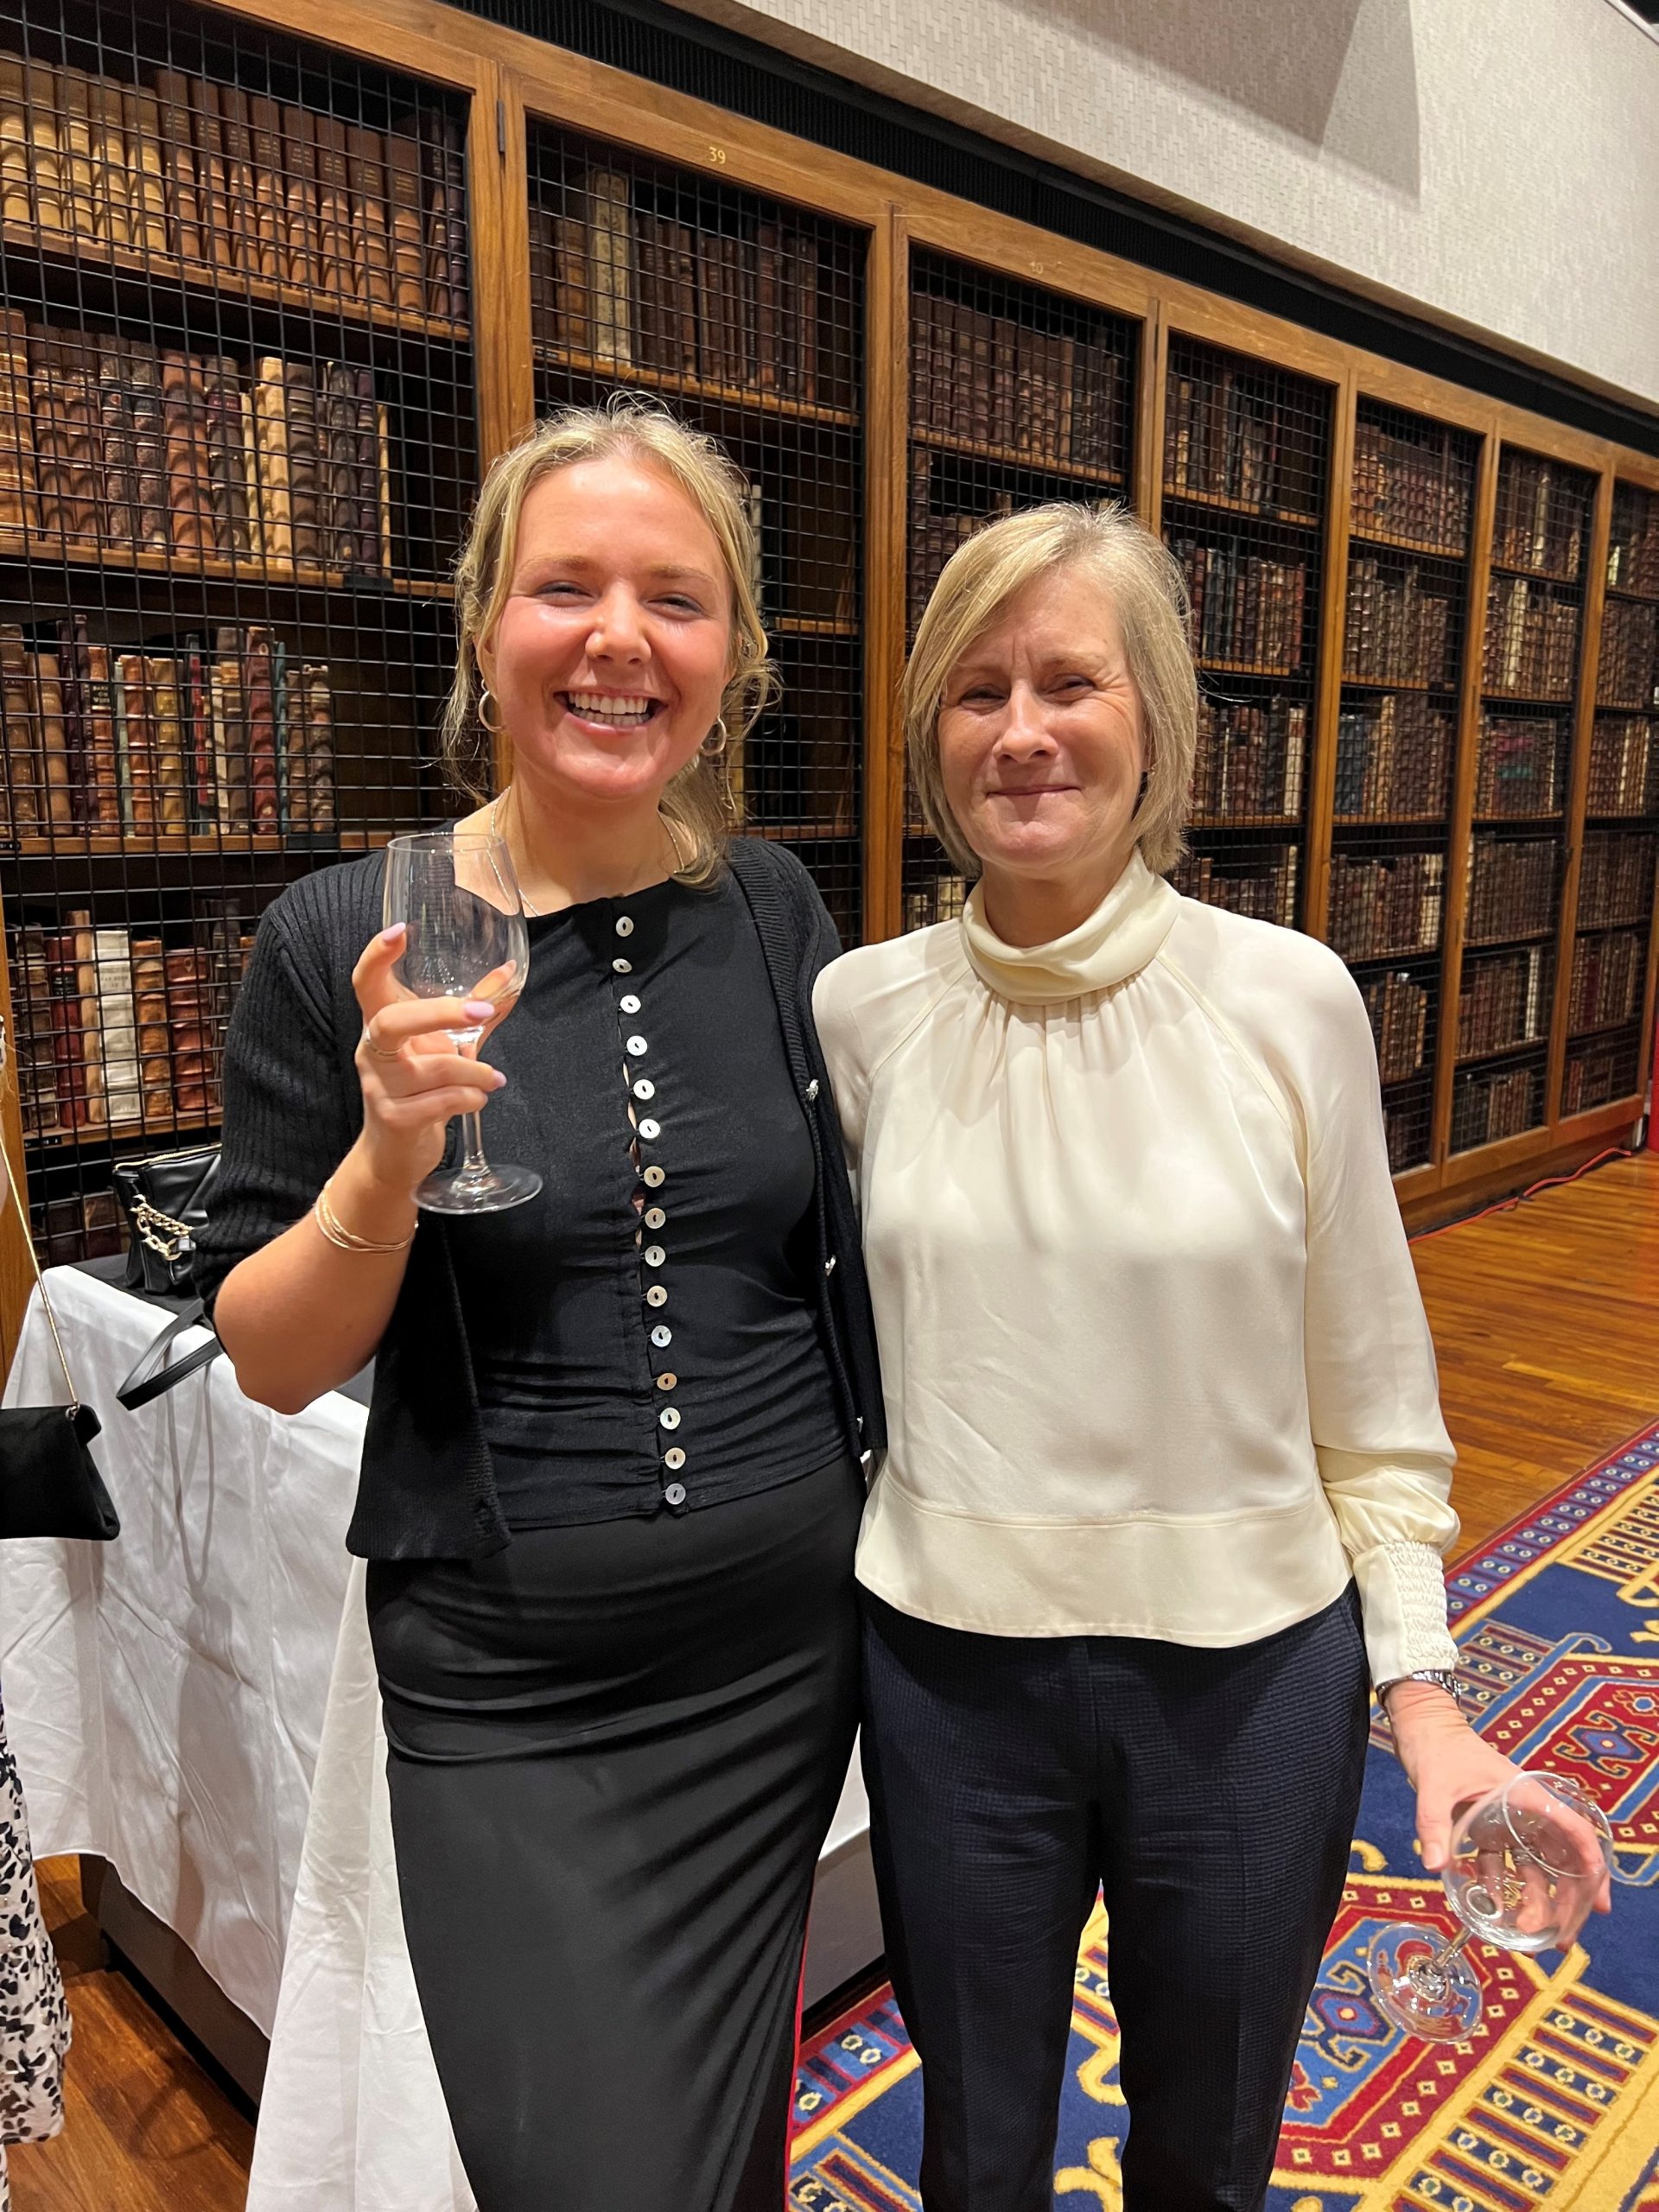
655, 1295
674, 1457
622, 967
667, 1381
656, 1177
623, 925
655, 1255
669, 1417
650, 1130
628, 1003
662, 1336
637, 1048
645, 1087
655, 1216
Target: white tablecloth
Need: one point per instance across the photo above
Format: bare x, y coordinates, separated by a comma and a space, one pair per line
166, 1695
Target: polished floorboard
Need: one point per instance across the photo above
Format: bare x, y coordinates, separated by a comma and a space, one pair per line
1544, 1317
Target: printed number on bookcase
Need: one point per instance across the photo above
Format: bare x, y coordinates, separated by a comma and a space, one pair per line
717, 155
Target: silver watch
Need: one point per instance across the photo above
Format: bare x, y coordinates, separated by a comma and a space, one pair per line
1437, 1675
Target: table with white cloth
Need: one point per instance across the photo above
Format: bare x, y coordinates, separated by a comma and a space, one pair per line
195, 1703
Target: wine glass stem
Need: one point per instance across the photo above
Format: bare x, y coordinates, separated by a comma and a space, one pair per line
1433, 1970
473, 1165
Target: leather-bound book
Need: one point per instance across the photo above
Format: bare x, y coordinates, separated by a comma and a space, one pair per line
207, 137
305, 489
653, 337
172, 796
141, 123
236, 131
31, 1030
82, 207
112, 183
183, 187
270, 197
47, 431
152, 1037
189, 484
339, 272
71, 636
228, 705
19, 808
69, 1051
16, 206
195, 705
221, 382
258, 663
384, 563
302, 245
77, 403
339, 431
271, 431
19, 509
319, 749
188, 990
798, 319
248, 447
611, 242
680, 271
53, 743
117, 1026
366, 153
446, 201
768, 296
135, 747
43, 110
91, 1108
544, 329
573, 294
151, 503
97, 700
120, 442
403, 199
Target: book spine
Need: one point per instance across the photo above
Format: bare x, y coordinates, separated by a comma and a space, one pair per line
141, 121
183, 189
408, 238
365, 151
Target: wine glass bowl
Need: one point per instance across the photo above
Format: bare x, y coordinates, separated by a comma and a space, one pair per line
457, 899
1526, 1863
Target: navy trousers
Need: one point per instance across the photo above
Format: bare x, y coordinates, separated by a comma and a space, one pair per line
1211, 1797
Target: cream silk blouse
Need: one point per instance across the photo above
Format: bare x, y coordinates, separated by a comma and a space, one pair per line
1155, 1360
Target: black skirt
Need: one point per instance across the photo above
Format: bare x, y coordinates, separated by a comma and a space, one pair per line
615, 1751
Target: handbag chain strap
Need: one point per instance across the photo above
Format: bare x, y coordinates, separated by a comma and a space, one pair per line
22, 1212
146, 1219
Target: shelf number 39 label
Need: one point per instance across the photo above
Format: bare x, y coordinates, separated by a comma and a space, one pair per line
717, 155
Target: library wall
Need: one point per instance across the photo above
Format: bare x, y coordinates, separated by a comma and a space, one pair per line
1444, 157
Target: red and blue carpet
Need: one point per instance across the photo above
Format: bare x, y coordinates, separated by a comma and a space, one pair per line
1555, 2103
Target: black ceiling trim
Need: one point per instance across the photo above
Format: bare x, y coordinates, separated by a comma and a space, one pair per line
740, 74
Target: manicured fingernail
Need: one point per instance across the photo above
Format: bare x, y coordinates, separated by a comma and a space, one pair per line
500, 1079
478, 1009
390, 936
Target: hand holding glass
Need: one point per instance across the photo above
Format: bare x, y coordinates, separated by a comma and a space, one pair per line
1526, 1864
457, 898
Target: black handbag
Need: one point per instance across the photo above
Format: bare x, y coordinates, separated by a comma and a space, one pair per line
49, 1485
165, 1198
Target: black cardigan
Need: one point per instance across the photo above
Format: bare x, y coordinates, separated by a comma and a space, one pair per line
292, 1108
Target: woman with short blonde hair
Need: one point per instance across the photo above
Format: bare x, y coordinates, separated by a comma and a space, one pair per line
611, 1480
1165, 1468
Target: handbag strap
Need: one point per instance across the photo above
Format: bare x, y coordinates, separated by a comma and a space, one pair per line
152, 1375
22, 1212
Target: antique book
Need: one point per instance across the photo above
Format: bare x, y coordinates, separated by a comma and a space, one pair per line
19, 509
42, 108
269, 208
366, 154
270, 430
305, 489
207, 139
222, 424
302, 244
119, 437
338, 272
189, 481
236, 135
83, 210
135, 746
184, 190
612, 281
116, 189
20, 790
172, 796
408, 240
141, 122
53, 744
228, 706
16, 206
259, 681
142, 366
98, 708
151, 1036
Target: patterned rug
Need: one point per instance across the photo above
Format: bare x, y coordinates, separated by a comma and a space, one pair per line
1556, 2100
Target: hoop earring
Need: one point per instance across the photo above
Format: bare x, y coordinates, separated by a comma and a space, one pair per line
713, 752
486, 698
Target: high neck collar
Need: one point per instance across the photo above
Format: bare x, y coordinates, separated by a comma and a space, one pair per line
1117, 941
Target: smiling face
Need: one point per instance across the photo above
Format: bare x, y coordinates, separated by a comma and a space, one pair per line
612, 653
1041, 737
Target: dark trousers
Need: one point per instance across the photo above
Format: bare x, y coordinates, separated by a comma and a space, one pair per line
1210, 1794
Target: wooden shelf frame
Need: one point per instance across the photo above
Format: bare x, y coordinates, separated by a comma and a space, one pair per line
506, 77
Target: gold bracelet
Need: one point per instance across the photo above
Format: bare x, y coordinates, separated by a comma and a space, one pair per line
347, 1240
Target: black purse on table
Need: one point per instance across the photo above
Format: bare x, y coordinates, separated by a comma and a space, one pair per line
49, 1485
165, 1198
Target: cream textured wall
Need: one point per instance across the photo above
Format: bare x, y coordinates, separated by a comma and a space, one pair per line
1493, 163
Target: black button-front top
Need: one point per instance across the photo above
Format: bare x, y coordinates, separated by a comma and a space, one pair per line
643, 1334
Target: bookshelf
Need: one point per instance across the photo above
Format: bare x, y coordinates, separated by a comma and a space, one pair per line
1018, 394
1244, 494
237, 442
1410, 530
246, 389
1613, 920
747, 315
1516, 859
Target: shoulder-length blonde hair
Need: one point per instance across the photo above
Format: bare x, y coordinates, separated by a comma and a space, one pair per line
697, 803
1140, 576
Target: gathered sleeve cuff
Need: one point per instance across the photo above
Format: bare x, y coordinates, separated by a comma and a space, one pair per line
1397, 1525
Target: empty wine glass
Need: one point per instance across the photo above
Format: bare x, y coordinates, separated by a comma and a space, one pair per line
457, 897
1526, 1863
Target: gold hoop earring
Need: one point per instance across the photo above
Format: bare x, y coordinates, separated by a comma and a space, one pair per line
711, 752
486, 698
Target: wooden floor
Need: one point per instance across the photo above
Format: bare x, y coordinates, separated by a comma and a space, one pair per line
1545, 1321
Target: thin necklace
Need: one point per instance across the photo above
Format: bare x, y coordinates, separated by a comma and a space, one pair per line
534, 912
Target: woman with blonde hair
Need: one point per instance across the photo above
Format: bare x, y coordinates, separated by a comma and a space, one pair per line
610, 1480
1166, 1470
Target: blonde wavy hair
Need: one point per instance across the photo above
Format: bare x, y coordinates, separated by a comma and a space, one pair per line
1144, 583
697, 803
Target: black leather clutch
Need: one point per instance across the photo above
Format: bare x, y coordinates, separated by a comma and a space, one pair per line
165, 1198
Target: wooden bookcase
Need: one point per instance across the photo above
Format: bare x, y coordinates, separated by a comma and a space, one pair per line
276, 282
